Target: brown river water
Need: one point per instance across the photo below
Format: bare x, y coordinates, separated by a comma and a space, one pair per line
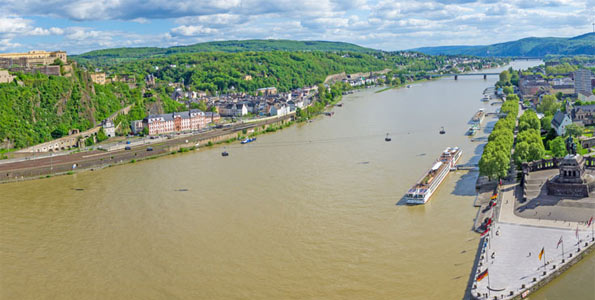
309, 212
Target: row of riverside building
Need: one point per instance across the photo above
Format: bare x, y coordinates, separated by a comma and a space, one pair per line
192, 120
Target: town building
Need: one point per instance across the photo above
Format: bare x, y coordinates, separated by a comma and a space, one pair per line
177, 122
108, 128
532, 85
98, 78
559, 123
582, 81
267, 91
5, 77
136, 126
585, 96
583, 115
563, 85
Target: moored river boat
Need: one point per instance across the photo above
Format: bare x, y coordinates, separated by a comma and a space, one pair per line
421, 192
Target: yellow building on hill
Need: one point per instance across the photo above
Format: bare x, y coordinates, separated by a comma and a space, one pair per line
32, 58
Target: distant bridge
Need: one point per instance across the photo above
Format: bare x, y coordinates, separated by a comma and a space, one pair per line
456, 75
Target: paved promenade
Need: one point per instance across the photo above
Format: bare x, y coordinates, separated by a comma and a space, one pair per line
510, 251
511, 256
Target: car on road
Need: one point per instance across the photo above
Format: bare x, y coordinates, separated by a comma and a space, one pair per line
150, 149
127, 148
127, 142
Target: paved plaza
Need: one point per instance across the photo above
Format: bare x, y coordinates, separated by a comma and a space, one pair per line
511, 255
510, 251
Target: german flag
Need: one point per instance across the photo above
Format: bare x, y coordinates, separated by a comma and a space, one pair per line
541, 253
494, 196
482, 275
485, 231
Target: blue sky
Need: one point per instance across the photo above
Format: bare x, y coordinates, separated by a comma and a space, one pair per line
82, 25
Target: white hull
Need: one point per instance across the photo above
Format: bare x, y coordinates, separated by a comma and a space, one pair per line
416, 199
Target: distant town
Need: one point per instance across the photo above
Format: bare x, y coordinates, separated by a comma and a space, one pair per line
205, 109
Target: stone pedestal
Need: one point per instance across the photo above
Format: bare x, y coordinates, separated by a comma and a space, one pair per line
572, 180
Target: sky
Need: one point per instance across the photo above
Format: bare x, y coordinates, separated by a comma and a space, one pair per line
78, 26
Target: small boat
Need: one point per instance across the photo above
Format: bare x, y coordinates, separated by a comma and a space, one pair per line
473, 130
387, 138
442, 131
224, 153
248, 140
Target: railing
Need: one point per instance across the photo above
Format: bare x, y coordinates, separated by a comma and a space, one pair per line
546, 164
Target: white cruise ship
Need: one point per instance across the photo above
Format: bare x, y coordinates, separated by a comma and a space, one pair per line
421, 192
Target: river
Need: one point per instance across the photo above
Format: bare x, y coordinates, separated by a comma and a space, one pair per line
309, 212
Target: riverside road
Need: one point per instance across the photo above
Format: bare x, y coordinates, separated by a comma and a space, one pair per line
25, 169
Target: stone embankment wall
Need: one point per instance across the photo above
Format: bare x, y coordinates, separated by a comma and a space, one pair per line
67, 164
556, 273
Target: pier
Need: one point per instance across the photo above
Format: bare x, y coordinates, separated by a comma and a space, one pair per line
469, 167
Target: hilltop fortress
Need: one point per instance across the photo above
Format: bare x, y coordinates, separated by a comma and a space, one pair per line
31, 58
48, 63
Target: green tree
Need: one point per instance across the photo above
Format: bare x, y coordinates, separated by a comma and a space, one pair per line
508, 90
574, 130
505, 76
546, 122
536, 152
548, 105
558, 147
101, 136
521, 151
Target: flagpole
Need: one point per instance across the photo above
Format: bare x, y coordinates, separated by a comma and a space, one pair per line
489, 294
563, 257
592, 231
544, 260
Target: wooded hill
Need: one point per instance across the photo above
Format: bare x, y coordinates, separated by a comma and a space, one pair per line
531, 47
117, 55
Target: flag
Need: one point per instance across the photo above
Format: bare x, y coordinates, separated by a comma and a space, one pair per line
541, 253
590, 221
489, 222
485, 232
482, 275
494, 196
559, 242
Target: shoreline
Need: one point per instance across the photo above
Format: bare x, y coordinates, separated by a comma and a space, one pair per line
78, 161
69, 164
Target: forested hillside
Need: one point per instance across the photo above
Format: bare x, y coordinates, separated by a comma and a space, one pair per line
117, 55
248, 71
533, 47
38, 108
44, 107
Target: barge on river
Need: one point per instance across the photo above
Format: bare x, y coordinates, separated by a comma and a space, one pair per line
479, 116
421, 192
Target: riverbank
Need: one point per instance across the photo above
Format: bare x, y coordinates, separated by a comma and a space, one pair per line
406, 84
307, 212
68, 164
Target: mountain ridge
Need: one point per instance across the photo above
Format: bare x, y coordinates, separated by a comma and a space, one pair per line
583, 44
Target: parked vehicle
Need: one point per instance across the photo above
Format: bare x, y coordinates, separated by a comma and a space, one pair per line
127, 148
150, 149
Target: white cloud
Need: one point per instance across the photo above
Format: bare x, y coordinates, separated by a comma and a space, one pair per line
386, 24
192, 30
